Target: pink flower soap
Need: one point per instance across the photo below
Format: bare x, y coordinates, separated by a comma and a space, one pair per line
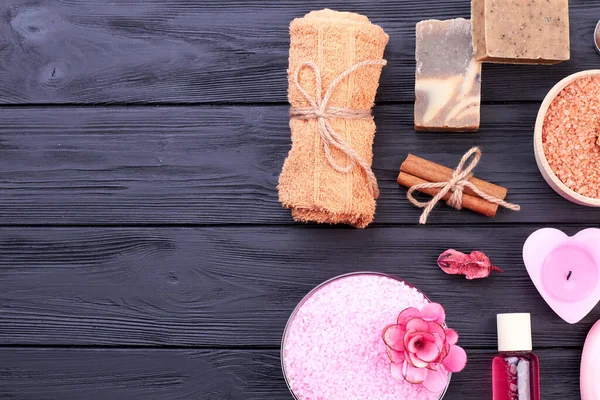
333, 349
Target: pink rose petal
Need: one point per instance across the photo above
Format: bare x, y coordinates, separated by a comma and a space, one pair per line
439, 341
407, 336
434, 327
397, 357
418, 325
428, 352
436, 381
414, 361
407, 315
414, 375
434, 312
396, 370
456, 360
393, 336
445, 351
414, 340
451, 336
417, 339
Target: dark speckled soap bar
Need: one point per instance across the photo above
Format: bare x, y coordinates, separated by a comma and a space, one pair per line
521, 31
448, 79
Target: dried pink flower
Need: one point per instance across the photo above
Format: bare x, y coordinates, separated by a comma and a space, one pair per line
474, 266
422, 349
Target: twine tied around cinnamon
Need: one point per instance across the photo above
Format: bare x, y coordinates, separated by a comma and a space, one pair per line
320, 111
456, 184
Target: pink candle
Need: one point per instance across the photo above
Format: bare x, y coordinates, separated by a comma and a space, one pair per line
570, 273
565, 270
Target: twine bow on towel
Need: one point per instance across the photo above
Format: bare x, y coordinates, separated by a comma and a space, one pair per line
456, 184
320, 111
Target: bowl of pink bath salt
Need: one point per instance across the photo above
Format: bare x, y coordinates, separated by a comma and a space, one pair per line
567, 138
332, 346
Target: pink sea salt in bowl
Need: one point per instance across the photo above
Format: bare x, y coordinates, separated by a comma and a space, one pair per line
332, 347
567, 138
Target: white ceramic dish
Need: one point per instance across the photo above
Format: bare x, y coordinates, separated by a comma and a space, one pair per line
538, 146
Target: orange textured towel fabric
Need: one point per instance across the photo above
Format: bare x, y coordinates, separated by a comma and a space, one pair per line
309, 185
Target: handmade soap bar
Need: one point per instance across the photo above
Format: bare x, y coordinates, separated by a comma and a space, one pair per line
448, 79
521, 31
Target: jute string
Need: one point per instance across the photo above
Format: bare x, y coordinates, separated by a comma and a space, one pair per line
456, 184
320, 111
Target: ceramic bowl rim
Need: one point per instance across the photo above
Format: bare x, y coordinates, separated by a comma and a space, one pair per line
596, 36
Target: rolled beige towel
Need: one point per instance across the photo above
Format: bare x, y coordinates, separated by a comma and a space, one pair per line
309, 184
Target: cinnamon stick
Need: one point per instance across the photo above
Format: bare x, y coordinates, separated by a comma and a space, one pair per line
431, 172
473, 203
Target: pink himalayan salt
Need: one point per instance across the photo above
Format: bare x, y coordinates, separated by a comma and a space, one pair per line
570, 136
333, 348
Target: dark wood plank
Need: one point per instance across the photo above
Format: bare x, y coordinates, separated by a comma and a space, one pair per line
64, 374
181, 165
88, 51
217, 374
238, 286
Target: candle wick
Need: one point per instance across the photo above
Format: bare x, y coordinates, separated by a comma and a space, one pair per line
569, 276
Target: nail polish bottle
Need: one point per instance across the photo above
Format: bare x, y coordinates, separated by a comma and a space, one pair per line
515, 370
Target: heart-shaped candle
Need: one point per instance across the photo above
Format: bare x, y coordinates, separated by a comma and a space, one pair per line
565, 270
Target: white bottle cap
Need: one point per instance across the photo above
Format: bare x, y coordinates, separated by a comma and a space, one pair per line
514, 332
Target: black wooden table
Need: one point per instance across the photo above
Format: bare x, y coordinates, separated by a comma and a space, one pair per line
143, 253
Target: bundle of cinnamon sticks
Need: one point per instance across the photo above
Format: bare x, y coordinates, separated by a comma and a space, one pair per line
415, 171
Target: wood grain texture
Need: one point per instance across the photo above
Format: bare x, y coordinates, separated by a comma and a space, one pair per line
237, 286
220, 165
166, 51
65, 374
143, 253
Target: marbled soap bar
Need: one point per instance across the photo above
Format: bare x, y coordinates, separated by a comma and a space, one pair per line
448, 79
521, 31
